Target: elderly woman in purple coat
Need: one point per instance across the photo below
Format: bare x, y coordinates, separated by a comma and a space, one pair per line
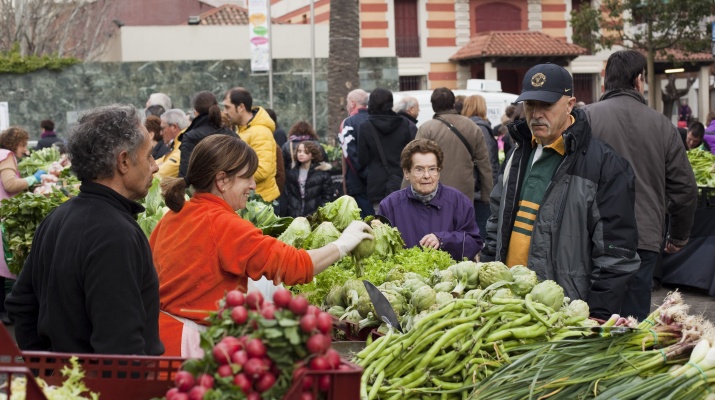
428, 213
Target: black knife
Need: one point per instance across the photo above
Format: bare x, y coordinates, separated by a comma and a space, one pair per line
382, 306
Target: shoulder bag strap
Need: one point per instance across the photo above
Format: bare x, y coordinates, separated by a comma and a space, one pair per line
292, 156
459, 135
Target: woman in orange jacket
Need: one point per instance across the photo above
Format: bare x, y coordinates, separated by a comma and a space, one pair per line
202, 248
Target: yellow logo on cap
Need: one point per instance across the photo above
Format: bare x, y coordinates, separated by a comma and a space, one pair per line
538, 80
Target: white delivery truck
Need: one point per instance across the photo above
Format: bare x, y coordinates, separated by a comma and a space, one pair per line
497, 101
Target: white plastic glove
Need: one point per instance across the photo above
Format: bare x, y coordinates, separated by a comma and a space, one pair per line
355, 233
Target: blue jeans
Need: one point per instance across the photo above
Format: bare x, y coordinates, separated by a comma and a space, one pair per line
637, 299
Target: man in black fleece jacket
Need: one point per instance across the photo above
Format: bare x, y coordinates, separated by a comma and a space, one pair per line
89, 283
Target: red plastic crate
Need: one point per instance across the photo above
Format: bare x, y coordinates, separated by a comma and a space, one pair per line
113, 376
32, 390
344, 384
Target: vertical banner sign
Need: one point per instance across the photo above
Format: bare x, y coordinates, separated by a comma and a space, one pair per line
4, 116
712, 32
258, 28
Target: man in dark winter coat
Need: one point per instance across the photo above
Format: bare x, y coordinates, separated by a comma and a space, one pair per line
409, 108
89, 283
564, 204
353, 183
380, 142
664, 178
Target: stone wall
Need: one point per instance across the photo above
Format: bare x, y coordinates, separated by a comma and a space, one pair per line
61, 95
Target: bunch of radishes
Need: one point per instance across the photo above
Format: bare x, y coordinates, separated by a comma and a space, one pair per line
258, 349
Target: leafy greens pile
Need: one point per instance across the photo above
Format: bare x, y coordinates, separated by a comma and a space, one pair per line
703, 163
155, 208
261, 214
38, 159
20, 217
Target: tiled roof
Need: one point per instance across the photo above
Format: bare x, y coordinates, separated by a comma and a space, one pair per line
515, 44
680, 56
227, 14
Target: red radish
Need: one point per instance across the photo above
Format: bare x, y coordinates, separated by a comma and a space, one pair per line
253, 396
171, 393
197, 393
184, 381
344, 367
299, 305
319, 363
265, 382
254, 368
308, 322
333, 358
324, 383
317, 343
307, 396
254, 300
324, 322
314, 310
282, 297
240, 357
232, 343
206, 381
224, 371
307, 382
235, 298
243, 383
181, 396
239, 315
221, 353
268, 311
255, 348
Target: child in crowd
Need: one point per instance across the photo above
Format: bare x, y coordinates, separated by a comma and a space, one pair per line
308, 184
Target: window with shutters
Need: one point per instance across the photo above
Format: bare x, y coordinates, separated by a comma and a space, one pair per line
407, 38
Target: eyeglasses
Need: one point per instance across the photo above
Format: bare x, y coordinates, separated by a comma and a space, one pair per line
420, 171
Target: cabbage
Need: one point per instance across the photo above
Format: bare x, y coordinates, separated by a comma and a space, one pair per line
466, 274
387, 239
493, 272
524, 280
548, 293
423, 298
577, 308
322, 235
340, 212
296, 232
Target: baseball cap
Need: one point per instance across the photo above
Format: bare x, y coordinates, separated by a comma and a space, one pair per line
547, 83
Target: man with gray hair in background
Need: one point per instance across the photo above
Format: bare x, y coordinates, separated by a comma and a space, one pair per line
159, 99
408, 108
354, 185
89, 284
173, 125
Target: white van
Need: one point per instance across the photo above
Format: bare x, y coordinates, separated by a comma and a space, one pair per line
497, 101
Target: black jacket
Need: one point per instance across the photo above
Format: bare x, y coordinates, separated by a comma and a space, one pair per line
393, 134
89, 283
411, 122
318, 189
584, 236
47, 141
197, 131
160, 150
492, 149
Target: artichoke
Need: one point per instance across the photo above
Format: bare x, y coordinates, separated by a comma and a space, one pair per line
394, 275
503, 293
577, 308
334, 297
423, 298
466, 274
414, 275
442, 298
336, 311
409, 287
473, 294
548, 293
444, 287
524, 280
397, 301
493, 272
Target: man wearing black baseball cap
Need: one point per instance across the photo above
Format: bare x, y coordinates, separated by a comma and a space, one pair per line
564, 203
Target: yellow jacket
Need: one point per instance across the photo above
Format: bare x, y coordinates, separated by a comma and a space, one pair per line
259, 135
169, 164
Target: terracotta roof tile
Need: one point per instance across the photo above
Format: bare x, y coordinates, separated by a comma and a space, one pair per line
680, 56
227, 14
515, 44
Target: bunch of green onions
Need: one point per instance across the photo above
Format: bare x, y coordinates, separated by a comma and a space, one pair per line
603, 366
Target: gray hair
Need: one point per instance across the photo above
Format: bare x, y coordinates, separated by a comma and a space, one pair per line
159, 99
405, 104
99, 136
359, 96
176, 117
